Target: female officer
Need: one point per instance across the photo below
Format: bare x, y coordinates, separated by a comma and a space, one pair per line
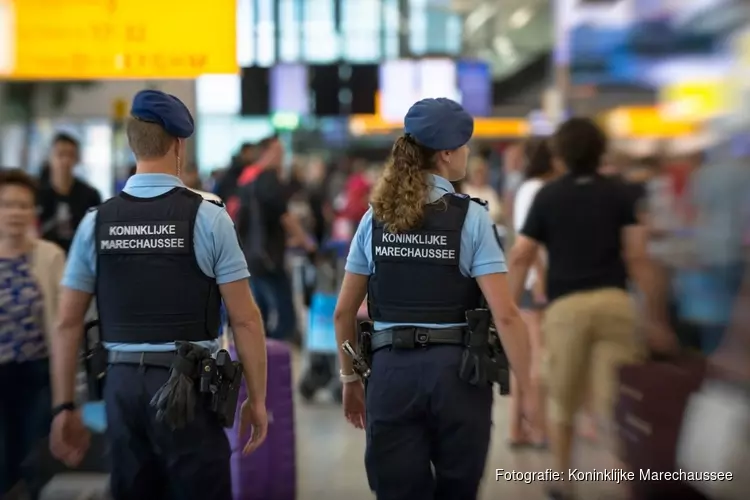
424, 255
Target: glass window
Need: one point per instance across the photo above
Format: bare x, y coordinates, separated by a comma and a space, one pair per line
11, 145
418, 27
454, 29
219, 137
218, 94
321, 43
96, 157
433, 29
391, 47
245, 30
361, 30
265, 33
289, 49
391, 29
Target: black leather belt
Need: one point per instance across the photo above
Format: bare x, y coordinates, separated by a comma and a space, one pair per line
413, 337
158, 359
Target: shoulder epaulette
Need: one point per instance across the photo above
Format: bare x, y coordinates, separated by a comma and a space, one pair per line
482, 202
218, 203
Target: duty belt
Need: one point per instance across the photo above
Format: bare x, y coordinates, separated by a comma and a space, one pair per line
158, 359
413, 337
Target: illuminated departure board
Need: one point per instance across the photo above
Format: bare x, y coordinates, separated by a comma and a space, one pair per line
100, 39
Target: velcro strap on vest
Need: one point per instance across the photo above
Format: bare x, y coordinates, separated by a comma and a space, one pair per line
413, 337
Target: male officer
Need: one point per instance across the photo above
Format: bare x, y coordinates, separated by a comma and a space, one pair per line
423, 255
159, 259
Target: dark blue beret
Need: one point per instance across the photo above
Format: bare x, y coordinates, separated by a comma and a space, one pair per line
164, 109
439, 124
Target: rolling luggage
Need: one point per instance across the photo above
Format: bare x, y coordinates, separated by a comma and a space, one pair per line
270, 472
321, 348
652, 399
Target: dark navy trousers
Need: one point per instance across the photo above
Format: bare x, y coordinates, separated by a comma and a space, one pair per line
428, 432
150, 460
25, 402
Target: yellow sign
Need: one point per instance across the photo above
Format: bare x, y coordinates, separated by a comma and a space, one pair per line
118, 39
646, 122
693, 101
484, 128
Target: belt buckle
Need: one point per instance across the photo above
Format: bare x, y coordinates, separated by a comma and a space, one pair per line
421, 337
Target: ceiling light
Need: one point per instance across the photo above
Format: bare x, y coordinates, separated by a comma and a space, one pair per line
520, 18
504, 47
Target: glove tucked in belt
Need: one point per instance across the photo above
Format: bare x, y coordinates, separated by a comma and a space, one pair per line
176, 400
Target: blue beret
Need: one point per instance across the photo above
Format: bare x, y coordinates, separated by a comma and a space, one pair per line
439, 124
164, 109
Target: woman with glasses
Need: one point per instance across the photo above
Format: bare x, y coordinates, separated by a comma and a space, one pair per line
30, 270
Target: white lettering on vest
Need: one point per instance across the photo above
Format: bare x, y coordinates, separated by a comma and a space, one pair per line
143, 230
144, 243
415, 253
416, 239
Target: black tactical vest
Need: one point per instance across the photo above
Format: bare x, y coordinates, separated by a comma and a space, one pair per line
417, 277
149, 288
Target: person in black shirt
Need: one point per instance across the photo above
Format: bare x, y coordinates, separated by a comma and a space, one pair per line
264, 225
63, 200
588, 225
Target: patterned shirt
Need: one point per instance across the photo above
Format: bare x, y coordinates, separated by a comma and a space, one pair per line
21, 313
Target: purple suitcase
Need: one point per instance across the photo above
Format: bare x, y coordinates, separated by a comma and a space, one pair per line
270, 472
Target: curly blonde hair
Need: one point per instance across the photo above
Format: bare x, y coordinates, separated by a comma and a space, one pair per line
401, 192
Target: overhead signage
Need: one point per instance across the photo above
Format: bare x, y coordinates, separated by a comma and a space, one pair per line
119, 39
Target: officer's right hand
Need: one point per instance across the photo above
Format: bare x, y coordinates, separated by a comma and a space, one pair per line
69, 439
354, 403
253, 418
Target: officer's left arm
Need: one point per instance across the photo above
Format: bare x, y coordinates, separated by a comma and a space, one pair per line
77, 290
353, 289
488, 267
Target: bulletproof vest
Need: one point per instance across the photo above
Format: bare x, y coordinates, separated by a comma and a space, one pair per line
149, 287
417, 278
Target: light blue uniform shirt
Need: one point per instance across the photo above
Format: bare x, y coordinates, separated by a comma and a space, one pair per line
216, 249
480, 251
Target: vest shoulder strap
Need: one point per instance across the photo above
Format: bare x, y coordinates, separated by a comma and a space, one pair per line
481, 202
218, 203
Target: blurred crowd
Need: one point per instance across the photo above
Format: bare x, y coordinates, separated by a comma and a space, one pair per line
696, 208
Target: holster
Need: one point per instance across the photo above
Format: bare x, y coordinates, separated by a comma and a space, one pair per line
364, 343
499, 364
484, 360
474, 367
220, 382
95, 361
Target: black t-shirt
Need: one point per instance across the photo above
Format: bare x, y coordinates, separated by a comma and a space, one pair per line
580, 221
259, 223
60, 215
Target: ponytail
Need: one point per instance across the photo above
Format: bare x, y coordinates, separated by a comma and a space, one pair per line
400, 194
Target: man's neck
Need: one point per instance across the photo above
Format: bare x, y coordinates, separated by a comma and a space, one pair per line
156, 167
62, 184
